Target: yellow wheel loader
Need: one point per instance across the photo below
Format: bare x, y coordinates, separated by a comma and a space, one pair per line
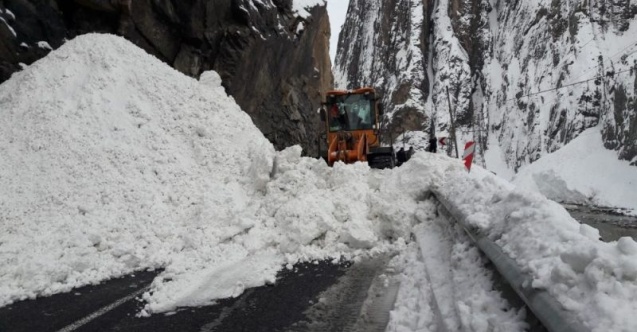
353, 129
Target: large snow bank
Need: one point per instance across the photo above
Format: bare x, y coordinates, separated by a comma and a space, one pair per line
113, 162
595, 280
583, 171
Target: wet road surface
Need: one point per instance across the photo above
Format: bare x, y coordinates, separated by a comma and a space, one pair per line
56, 312
311, 297
611, 224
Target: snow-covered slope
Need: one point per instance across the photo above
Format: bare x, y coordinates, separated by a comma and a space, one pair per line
583, 172
557, 69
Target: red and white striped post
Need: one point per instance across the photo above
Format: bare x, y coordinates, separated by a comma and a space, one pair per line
469, 148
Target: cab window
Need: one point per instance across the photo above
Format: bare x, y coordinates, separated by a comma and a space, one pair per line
350, 112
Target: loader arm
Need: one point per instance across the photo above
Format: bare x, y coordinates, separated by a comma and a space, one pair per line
347, 148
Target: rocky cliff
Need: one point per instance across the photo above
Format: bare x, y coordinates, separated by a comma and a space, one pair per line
272, 56
525, 76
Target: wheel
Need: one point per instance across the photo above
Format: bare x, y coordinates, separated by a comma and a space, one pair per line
381, 161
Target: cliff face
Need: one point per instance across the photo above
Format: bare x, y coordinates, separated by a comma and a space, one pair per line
526, 76
273, 59
557, 69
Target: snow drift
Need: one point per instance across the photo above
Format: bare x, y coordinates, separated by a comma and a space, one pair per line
113, 162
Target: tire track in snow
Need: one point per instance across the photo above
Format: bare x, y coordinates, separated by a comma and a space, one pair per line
464, 288
435, 251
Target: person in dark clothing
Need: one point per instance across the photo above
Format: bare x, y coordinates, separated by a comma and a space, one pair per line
410, 153
433, 145
401, 157
333, 116
338, 118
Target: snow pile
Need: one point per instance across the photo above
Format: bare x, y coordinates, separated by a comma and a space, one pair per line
583, 171
309, 212
114, 162
595, 280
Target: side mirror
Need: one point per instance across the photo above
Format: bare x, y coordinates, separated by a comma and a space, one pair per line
381, 109
323, 114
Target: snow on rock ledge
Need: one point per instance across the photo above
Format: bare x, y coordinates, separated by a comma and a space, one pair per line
301, 6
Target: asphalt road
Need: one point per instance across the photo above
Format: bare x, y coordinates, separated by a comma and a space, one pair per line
310, 297
56, 312
611, 224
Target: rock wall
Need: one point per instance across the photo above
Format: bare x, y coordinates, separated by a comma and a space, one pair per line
559, 68
273, 60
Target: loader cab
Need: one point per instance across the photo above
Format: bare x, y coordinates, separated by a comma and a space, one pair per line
350, 112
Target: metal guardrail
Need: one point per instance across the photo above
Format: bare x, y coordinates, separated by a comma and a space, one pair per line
545, 307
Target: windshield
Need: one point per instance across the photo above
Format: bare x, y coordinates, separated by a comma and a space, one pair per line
350, 112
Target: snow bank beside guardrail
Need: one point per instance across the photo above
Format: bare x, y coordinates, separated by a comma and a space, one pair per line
593, 280
544, 306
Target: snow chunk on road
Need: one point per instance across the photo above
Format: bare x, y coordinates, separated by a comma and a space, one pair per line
215, 282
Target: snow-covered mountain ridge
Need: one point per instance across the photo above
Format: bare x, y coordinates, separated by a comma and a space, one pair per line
529, 76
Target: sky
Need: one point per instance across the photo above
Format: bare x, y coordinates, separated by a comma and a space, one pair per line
336, 9
113, 162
